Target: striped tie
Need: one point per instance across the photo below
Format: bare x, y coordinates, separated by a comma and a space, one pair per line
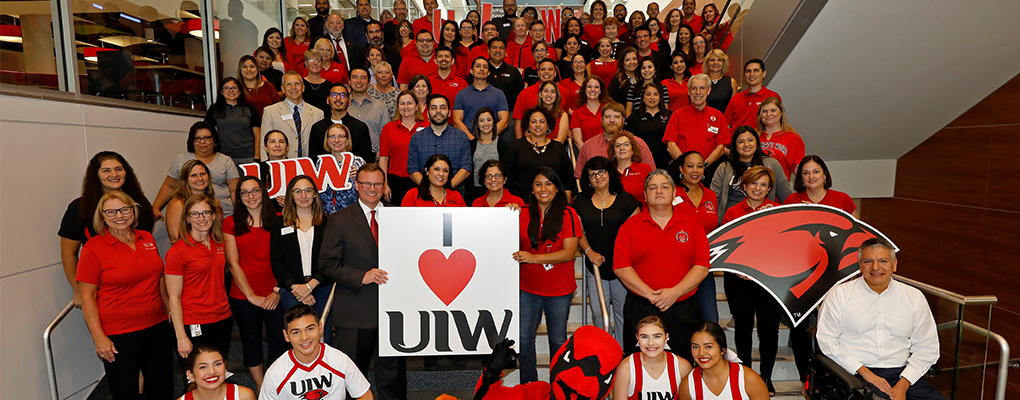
297, 124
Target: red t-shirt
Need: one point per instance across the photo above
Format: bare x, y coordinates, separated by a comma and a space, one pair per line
127, 281
253, 257
833, 198
425, 23
698, 130
706, 213
744, 105
529, 98
528, 60
394, 142
462, 61
742, 209
592, 33
696, 23
414, 65
517, 53
296, 54
678, 94
559, 279
697, 68
633, 179
204, 296
590, 123
478, 51
336, 73
661, 257
503, 201
785, 147
452, 199
449, 86
569, 94
604, 70
409, 50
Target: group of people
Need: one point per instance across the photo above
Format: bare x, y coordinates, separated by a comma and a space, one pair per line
630, 136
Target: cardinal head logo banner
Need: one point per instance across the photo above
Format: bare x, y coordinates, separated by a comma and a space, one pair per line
797, 252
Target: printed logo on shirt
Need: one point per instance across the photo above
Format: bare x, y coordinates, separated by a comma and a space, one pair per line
313, 388
682, 237
148, 246
770, 148
712, 118
709, 206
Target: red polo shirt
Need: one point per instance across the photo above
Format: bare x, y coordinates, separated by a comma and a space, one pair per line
698, 130
569, 94
516, 53
253, 257
679, 97
743, 107
706, 213
742, 209
592, 33
478, 51
503, 201
336, 73
559, 280
604, 70
633, 179
661, 257
528, 60
832, 198
425, 23
452, 199
394, 142
589, 122
413, 65
126, 279
449, 86
204, 297
785, 147
529, 98
696, 23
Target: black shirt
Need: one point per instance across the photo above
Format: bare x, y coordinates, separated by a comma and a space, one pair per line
521, 160
651, 129
530, 76
275, 77
317, 94
601, 227
504, 25
361, 142
719, 97
508, 79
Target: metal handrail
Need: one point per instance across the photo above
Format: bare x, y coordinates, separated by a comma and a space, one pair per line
51, 369
947, 295
602, 296
1000, 384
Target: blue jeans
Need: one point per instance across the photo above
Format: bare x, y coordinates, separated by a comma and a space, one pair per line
706, 297
321, 294
556, 309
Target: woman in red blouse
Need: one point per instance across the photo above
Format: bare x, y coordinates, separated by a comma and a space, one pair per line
547, 265
297, 44
120, 276
749, 301
394, 142
626, 155
194, 278
676, 84
700, 202
248, 230
812, 183
493, 177
434, 191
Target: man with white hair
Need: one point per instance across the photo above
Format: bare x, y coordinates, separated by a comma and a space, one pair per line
696, 126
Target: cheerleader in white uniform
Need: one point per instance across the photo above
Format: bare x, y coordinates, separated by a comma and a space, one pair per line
654, 373
208, 369
715, 377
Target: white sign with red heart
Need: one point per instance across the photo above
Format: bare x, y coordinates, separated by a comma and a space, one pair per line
453, 286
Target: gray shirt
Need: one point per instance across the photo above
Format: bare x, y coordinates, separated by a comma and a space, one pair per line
372, 113
484, 152
221, 169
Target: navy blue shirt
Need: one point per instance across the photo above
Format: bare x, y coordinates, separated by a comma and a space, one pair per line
452, 143
470, 100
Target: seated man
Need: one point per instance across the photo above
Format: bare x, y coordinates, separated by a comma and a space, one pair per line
880, 329
333, 375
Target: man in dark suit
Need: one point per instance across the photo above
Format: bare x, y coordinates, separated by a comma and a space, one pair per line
350, 257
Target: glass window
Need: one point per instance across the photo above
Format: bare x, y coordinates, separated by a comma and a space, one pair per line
147, 52
244, 26
26, 44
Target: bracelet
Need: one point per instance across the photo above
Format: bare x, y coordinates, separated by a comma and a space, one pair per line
586, 250
309, 287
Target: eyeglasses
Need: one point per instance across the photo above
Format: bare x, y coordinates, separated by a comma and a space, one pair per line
203, 214
621, 145
374, 185
490, 177
598, 174
230, 88
423, 41
313, 61
338, 94
200, 139
303, 191
337, 137
254, 192
126, 210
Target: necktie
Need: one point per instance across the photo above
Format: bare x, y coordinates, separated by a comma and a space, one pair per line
375, 228
340, 54
297, 124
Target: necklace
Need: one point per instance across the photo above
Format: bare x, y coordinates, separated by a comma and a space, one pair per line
314, 86
539, 149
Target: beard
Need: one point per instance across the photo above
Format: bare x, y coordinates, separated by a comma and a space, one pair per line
438, 119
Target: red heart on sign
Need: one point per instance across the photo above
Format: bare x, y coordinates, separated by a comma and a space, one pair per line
447, 277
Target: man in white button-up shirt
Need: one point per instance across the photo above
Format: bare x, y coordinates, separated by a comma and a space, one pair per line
880, 329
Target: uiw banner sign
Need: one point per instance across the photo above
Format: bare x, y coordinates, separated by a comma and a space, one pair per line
330, 173
453, 285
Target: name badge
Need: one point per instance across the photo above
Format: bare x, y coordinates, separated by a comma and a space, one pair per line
287, 116
286, 230
547, 266
713, 129
196, 330
419, 128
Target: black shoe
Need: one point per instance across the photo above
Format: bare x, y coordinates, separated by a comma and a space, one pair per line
772, 388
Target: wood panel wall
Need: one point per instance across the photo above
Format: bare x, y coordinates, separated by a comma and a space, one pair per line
956, 217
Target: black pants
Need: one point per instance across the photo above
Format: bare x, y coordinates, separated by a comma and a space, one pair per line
216, 334
250, 320
803, 344
399, 186
681, 319
920, 390
150, 351
747, 300
362, 346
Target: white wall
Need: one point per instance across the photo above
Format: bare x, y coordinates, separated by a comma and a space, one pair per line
44, 148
